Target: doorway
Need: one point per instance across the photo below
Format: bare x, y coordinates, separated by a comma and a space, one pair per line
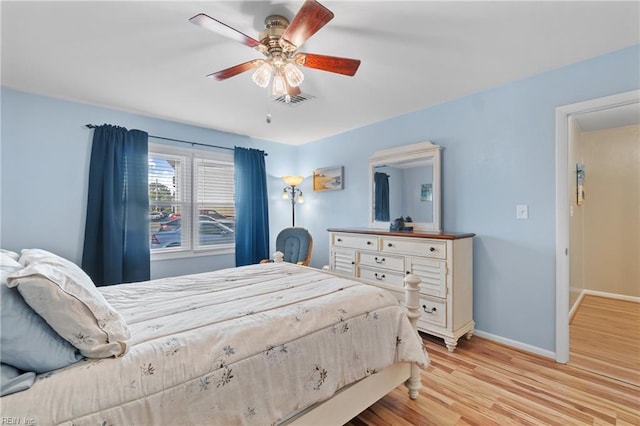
616, 111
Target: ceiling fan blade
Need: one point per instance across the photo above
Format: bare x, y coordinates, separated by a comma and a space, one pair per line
206, 21
335, 64
310, 18
235, 70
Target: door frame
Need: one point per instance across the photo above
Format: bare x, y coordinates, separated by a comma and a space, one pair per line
562, 206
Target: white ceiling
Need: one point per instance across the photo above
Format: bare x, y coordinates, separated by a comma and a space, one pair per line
145, 57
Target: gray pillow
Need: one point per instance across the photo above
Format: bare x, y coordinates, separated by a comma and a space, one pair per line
27, 342
13, 380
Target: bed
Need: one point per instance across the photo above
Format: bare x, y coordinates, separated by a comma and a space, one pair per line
273, 343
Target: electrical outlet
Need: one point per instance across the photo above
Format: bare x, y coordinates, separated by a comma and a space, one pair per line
522, 211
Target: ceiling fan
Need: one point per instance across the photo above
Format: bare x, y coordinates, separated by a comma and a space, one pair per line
279, 42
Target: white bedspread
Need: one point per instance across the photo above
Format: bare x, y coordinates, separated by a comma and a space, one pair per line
240, 346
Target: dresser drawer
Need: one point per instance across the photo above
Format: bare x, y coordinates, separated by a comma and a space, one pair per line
364, 242
382, 276
434, 312
395, 263
432, 274
414, 246
344, 261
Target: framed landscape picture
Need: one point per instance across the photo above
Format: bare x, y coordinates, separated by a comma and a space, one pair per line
426, 193
328, 179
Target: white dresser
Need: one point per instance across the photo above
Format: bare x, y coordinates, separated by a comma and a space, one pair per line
443, 261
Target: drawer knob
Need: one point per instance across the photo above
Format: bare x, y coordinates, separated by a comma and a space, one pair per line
369, 243
339, 240
429, 311
379, 260
389, 245
432, 249
378, 277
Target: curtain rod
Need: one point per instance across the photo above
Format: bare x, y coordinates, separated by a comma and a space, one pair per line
93, 126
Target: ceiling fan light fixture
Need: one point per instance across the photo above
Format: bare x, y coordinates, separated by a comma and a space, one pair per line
262, 75
279, 86
279, 43
293, 75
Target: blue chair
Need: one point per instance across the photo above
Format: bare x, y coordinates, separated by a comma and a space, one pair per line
296, 245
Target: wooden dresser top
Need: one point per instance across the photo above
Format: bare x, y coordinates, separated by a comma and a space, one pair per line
438, 235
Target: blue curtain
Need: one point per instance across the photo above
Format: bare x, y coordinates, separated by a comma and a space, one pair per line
116, 236
252, 206
381, 199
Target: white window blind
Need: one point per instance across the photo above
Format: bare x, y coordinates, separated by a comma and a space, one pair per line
191, 200
214, 194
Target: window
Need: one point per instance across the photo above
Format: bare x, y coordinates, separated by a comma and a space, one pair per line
191, 200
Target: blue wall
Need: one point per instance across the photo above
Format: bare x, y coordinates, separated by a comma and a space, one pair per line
498, 151
44, 161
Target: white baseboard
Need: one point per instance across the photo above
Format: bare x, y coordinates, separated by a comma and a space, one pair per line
544, 352
575, 306
514, 343
611, 295
583, 293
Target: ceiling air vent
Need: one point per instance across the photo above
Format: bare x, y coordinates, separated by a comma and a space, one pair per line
295, 100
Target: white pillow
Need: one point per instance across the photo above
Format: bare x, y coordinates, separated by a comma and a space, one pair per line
7, 259
64, 295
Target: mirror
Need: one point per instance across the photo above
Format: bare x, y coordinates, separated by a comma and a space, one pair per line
405, 181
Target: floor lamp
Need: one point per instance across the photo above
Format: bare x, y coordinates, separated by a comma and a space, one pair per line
293, 193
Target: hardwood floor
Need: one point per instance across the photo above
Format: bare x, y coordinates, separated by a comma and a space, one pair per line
605, 338
485, 383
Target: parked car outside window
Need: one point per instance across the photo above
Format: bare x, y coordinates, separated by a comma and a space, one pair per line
211, 233
174, 224
218, 217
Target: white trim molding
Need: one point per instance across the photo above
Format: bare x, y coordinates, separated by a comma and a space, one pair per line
562, 207
515, 344
583, 293
611, 295
576, 305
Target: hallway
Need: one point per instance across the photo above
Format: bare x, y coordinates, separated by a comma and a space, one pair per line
605, 338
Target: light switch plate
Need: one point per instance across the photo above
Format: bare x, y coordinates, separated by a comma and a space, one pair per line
522, 211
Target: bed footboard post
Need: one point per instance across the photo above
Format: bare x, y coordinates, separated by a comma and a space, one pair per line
412, 304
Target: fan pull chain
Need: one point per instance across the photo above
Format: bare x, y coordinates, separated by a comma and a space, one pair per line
268, 118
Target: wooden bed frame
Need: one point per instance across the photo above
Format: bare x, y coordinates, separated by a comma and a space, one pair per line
350, 401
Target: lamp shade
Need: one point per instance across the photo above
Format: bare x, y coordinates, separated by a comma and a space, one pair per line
293, 75
263, 74
279, 85
293, 180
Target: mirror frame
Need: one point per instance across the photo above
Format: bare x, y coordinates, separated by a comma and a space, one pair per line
413, 152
